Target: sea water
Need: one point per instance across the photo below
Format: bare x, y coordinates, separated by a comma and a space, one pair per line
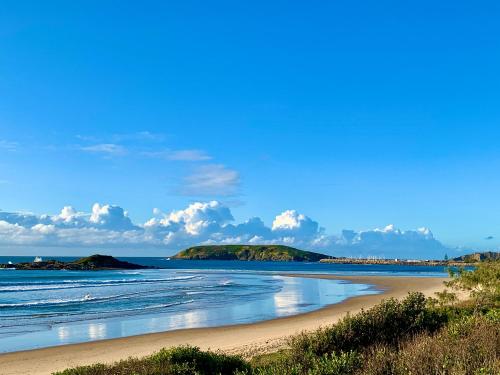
47, 308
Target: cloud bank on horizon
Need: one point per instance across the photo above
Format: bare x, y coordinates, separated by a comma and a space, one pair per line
109, 226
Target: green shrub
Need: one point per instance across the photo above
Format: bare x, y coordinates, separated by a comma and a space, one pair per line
469, 346
333, 364
263, 360
493, 315
328, 364
202, 362
482, 284
387, 323
184, 360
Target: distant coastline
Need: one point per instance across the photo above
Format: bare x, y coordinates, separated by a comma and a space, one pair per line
464, 260
290, 254
394, 262
262, 253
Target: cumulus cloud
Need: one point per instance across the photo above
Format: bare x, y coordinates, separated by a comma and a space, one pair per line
199, 221
211, 180
24, 219
195, 219
210, 222
70, 217
15, 234
389, 242
44, 229
291, 223
110, 217
252, 229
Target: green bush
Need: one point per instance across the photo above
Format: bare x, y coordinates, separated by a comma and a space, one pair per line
482, 284
387, 323
469, 346
328, 364
184, 360
493, 315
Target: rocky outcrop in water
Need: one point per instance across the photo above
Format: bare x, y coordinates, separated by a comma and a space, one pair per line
92, 263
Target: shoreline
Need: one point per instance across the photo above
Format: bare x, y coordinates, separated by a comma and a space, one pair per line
245, 339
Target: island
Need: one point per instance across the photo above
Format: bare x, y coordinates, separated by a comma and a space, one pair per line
249, 252
92, 263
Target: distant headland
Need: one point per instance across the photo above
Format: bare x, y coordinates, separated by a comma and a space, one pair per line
249, 252
290, 254
458, 261
92, 263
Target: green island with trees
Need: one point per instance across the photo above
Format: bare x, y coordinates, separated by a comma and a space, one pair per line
249, 252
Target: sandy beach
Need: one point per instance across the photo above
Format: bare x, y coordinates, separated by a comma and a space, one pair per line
245, 339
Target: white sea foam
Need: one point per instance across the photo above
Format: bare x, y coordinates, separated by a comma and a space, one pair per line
72, 284
84, 299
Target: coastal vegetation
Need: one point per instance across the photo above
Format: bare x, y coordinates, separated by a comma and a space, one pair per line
92, 263
416, 335
183, 360
249, 252
478, 257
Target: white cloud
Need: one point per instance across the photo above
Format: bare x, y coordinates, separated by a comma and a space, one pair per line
199, 222
108, 149
110, 217
8, 145
145, 136
24, 219
189, 155
212, 211
69, 216
388, 242
291, 222
287, 220
14, 233
44, 228
211, 180
206, 222
179, 155
68, 213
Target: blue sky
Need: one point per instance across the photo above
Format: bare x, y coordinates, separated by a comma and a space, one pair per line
357, 115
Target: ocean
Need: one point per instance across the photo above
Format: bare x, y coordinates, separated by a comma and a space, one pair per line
48, 308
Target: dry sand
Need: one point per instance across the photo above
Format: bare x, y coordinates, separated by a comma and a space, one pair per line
245, 339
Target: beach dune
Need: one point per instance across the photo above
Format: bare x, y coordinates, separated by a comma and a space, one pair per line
245, 339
